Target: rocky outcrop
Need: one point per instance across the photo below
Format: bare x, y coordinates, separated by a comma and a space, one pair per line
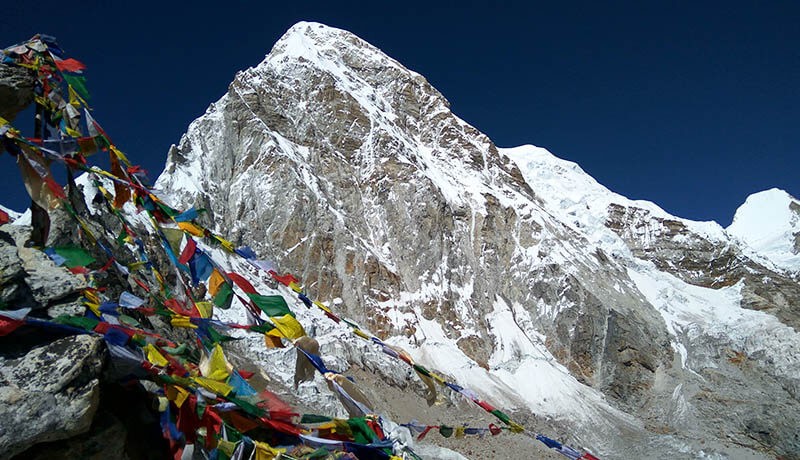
29, 278
706, 261
16, 90
50, 392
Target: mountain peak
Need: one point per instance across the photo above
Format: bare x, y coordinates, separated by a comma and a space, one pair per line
769, 222
326, 47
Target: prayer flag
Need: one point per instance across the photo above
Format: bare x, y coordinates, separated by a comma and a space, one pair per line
214, 282
286, 326
272, 305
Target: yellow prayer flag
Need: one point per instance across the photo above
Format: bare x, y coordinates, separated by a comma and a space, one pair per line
286, 326
266, 452
91, 296
214, 282
177, 394
515, 427
295, 287
361, 334
191, 229
439, 379
206, 309
154, 356
322, 306
225, 243
72, 132
94, 307
217, 365
226, 447
120, 155
213, 386
182, 321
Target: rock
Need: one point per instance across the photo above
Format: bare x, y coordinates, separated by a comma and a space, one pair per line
49, 393
105, 440
16, 90
44, 283
14, 292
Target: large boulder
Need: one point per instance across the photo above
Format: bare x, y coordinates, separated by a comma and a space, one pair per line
49, 393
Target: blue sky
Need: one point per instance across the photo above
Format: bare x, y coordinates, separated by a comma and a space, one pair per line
692, 105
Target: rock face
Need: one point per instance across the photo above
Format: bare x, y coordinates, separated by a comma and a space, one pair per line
28, 278
49, 393
16, 90
631, 329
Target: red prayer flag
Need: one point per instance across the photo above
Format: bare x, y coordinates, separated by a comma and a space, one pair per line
286, 279
122, 194
486, 406
70, 65
188, 252
240, 422
425, 432
242, 283
283, 427
7, 326
4, 217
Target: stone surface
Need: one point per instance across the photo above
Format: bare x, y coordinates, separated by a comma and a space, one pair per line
49, 393
29, 277
16, 90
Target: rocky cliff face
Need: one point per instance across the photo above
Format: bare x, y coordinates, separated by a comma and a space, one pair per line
629, 329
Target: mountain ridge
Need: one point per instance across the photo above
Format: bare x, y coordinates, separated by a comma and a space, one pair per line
370, 151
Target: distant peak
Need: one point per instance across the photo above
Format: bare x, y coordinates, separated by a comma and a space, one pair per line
769, 222
771, 195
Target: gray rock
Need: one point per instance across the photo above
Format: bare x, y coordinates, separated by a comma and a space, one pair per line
50, 393
16, 90
36, 280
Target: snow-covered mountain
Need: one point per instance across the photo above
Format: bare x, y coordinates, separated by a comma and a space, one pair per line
602, 320
769, 223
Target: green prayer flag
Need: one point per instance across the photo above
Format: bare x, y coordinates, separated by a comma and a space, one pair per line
77, 321
75, 256
223, 297
215, 337
499, 414
233, 434
319, 453
247, 406
422, 370
180, 349
362, 433
263, 328
174, 237
128, 321
272, 305
78, 83
311, 418
446, 431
